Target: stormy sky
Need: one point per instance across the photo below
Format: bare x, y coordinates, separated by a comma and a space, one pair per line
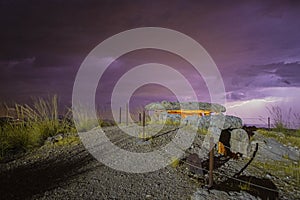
254, 44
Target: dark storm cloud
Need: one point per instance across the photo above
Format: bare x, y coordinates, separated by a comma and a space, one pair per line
270, 75
249, 80
44, 42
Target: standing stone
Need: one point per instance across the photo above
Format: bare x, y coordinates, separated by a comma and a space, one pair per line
214, 132
239, 142
221, 121
192, 121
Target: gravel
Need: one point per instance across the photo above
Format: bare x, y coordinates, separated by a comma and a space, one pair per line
70, 172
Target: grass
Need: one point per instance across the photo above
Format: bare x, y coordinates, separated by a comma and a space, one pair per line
175, 162
246, 186
284, 135
35, 123
38, 121
202, 131
283, 119
282, 169
289, 137
68, 140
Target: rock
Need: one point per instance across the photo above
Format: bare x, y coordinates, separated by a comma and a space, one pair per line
213, 107
192, 120
276, 151
54, 139
220, 121
239, 142
167, 105
173, 118
268, 176
58, 137
218, 194
213, 132
194, 163
154, 106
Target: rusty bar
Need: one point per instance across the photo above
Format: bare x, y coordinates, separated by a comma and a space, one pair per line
211, 163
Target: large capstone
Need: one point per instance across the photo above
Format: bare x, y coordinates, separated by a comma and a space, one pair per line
168, 105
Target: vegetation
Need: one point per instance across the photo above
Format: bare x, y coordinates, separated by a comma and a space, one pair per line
289, 137
202, 131
246, 186
283, 120
283, 170
31, 125
25, 127
175, 162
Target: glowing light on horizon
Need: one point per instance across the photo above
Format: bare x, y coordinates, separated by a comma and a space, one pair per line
252, 101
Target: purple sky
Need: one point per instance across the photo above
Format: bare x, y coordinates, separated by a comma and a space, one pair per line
255, 45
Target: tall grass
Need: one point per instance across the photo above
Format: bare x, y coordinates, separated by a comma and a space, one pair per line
32, 125
282, 119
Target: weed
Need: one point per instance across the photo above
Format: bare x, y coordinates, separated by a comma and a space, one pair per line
291, 138
174, 162
33, 125
282, 169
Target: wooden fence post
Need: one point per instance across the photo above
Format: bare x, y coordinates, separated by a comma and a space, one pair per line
269, 123
140, 118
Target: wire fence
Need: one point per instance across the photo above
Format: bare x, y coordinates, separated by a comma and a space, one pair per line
269, 122
214, 172
264, 122
232, 177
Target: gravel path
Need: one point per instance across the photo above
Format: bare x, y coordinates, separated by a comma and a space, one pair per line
70, 172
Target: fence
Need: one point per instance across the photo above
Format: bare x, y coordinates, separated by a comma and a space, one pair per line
269, 122
210, 171
260, 122
257, 121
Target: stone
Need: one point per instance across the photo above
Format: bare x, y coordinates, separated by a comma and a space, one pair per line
58, 137
168, 105
220, 121
239, 142
213, 132
154, 106
54, 139
213, 107
192, 120
194, 163
173, 118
